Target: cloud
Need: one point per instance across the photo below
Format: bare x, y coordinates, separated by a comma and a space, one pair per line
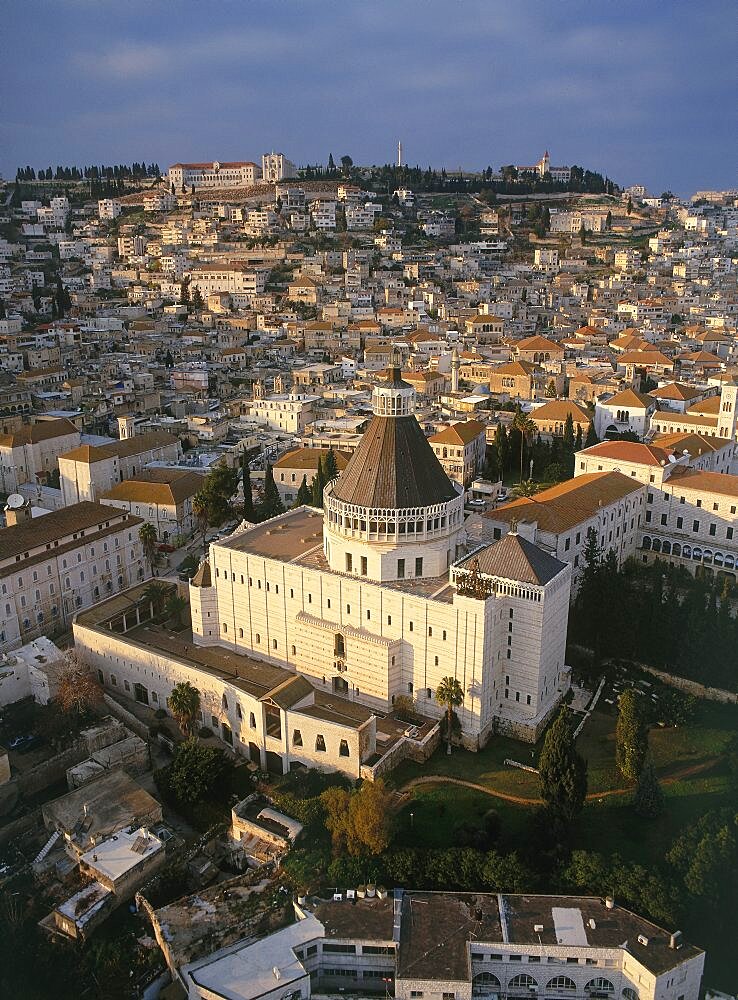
140, 60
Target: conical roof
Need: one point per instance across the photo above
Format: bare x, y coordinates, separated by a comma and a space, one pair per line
515, 558
394, 466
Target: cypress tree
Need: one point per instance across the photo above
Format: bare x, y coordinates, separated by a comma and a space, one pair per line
272, 505
304, 495
318, 484
591, 437
648, 800
248, 500
562, 770
631, 735
330, 467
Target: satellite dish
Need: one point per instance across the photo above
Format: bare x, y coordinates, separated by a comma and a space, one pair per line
15, 501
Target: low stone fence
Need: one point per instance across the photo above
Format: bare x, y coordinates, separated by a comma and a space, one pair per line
523, 767
48, 772
405, 748
126, 717
692, 687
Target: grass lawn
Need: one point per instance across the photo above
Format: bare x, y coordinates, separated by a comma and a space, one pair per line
703, 740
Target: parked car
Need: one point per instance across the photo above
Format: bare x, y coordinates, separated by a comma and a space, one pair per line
166, 547
26, 742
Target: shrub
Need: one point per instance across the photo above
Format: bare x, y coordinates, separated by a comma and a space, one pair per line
160, 714
205, 732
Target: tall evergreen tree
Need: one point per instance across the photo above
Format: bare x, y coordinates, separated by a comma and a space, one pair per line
248, 500
591, 437
631, 735
272, 504
318, 484
330, 467
648, 800
304, 494
562, 770
502, 444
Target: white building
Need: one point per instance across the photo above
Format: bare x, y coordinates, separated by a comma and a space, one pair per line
109, 208
291, 412
453, 946
31, 454
229, 276
275, 167
57, 564
237, 173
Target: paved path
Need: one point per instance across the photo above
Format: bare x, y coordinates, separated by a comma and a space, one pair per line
436, 779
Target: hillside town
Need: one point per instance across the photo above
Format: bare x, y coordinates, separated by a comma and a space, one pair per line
345, 510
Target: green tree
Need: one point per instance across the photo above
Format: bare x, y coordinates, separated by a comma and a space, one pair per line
149, 544
197, 300
336, 802
318, 485
304, 494
248, 500
216, 494
175, 608
631, 735
155, 594
184, 704
369, 821
200, 511
591, 438
648, 800
330, 467
450, 694
525, 426
562, 770
502, 444
272, 504
195, 770
551, 389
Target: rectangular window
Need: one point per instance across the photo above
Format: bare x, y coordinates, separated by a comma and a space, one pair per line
695, 525
680, 522
320, 743
713, 529
297, 738
349, 562
400, 569
364, 566
419, 566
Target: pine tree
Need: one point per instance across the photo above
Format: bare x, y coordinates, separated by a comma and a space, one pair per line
248, 501
272, 504
648, 800
502, 443
578, 439
2, 308
562, 770
591, 438
304, 494
318, 484
631, 735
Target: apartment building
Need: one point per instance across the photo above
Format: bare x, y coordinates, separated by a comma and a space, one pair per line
234, 277
90, 470
31, 453
290, 469
558, 519
109, 209
290, 412
61, 562
161, 497
461, 449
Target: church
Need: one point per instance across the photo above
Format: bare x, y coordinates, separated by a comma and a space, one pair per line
382, 595
308, 627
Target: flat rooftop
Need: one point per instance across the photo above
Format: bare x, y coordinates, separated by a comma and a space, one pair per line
297, 537
116, 856
364, 919
246, 970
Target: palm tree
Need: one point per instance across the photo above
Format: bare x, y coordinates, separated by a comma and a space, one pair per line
155, 594
184, 704
201, 510
175, 608
147, 534
527, 428
449, 693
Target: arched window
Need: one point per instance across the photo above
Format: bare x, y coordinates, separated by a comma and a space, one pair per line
646, 544
339, 645
676, 549
697, 554
599, 987
656, 545
561, 983
629, 994
522, 982
485, 984
718, 559
686, 552
666, 548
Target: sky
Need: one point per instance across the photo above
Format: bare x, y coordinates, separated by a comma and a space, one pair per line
644, 91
